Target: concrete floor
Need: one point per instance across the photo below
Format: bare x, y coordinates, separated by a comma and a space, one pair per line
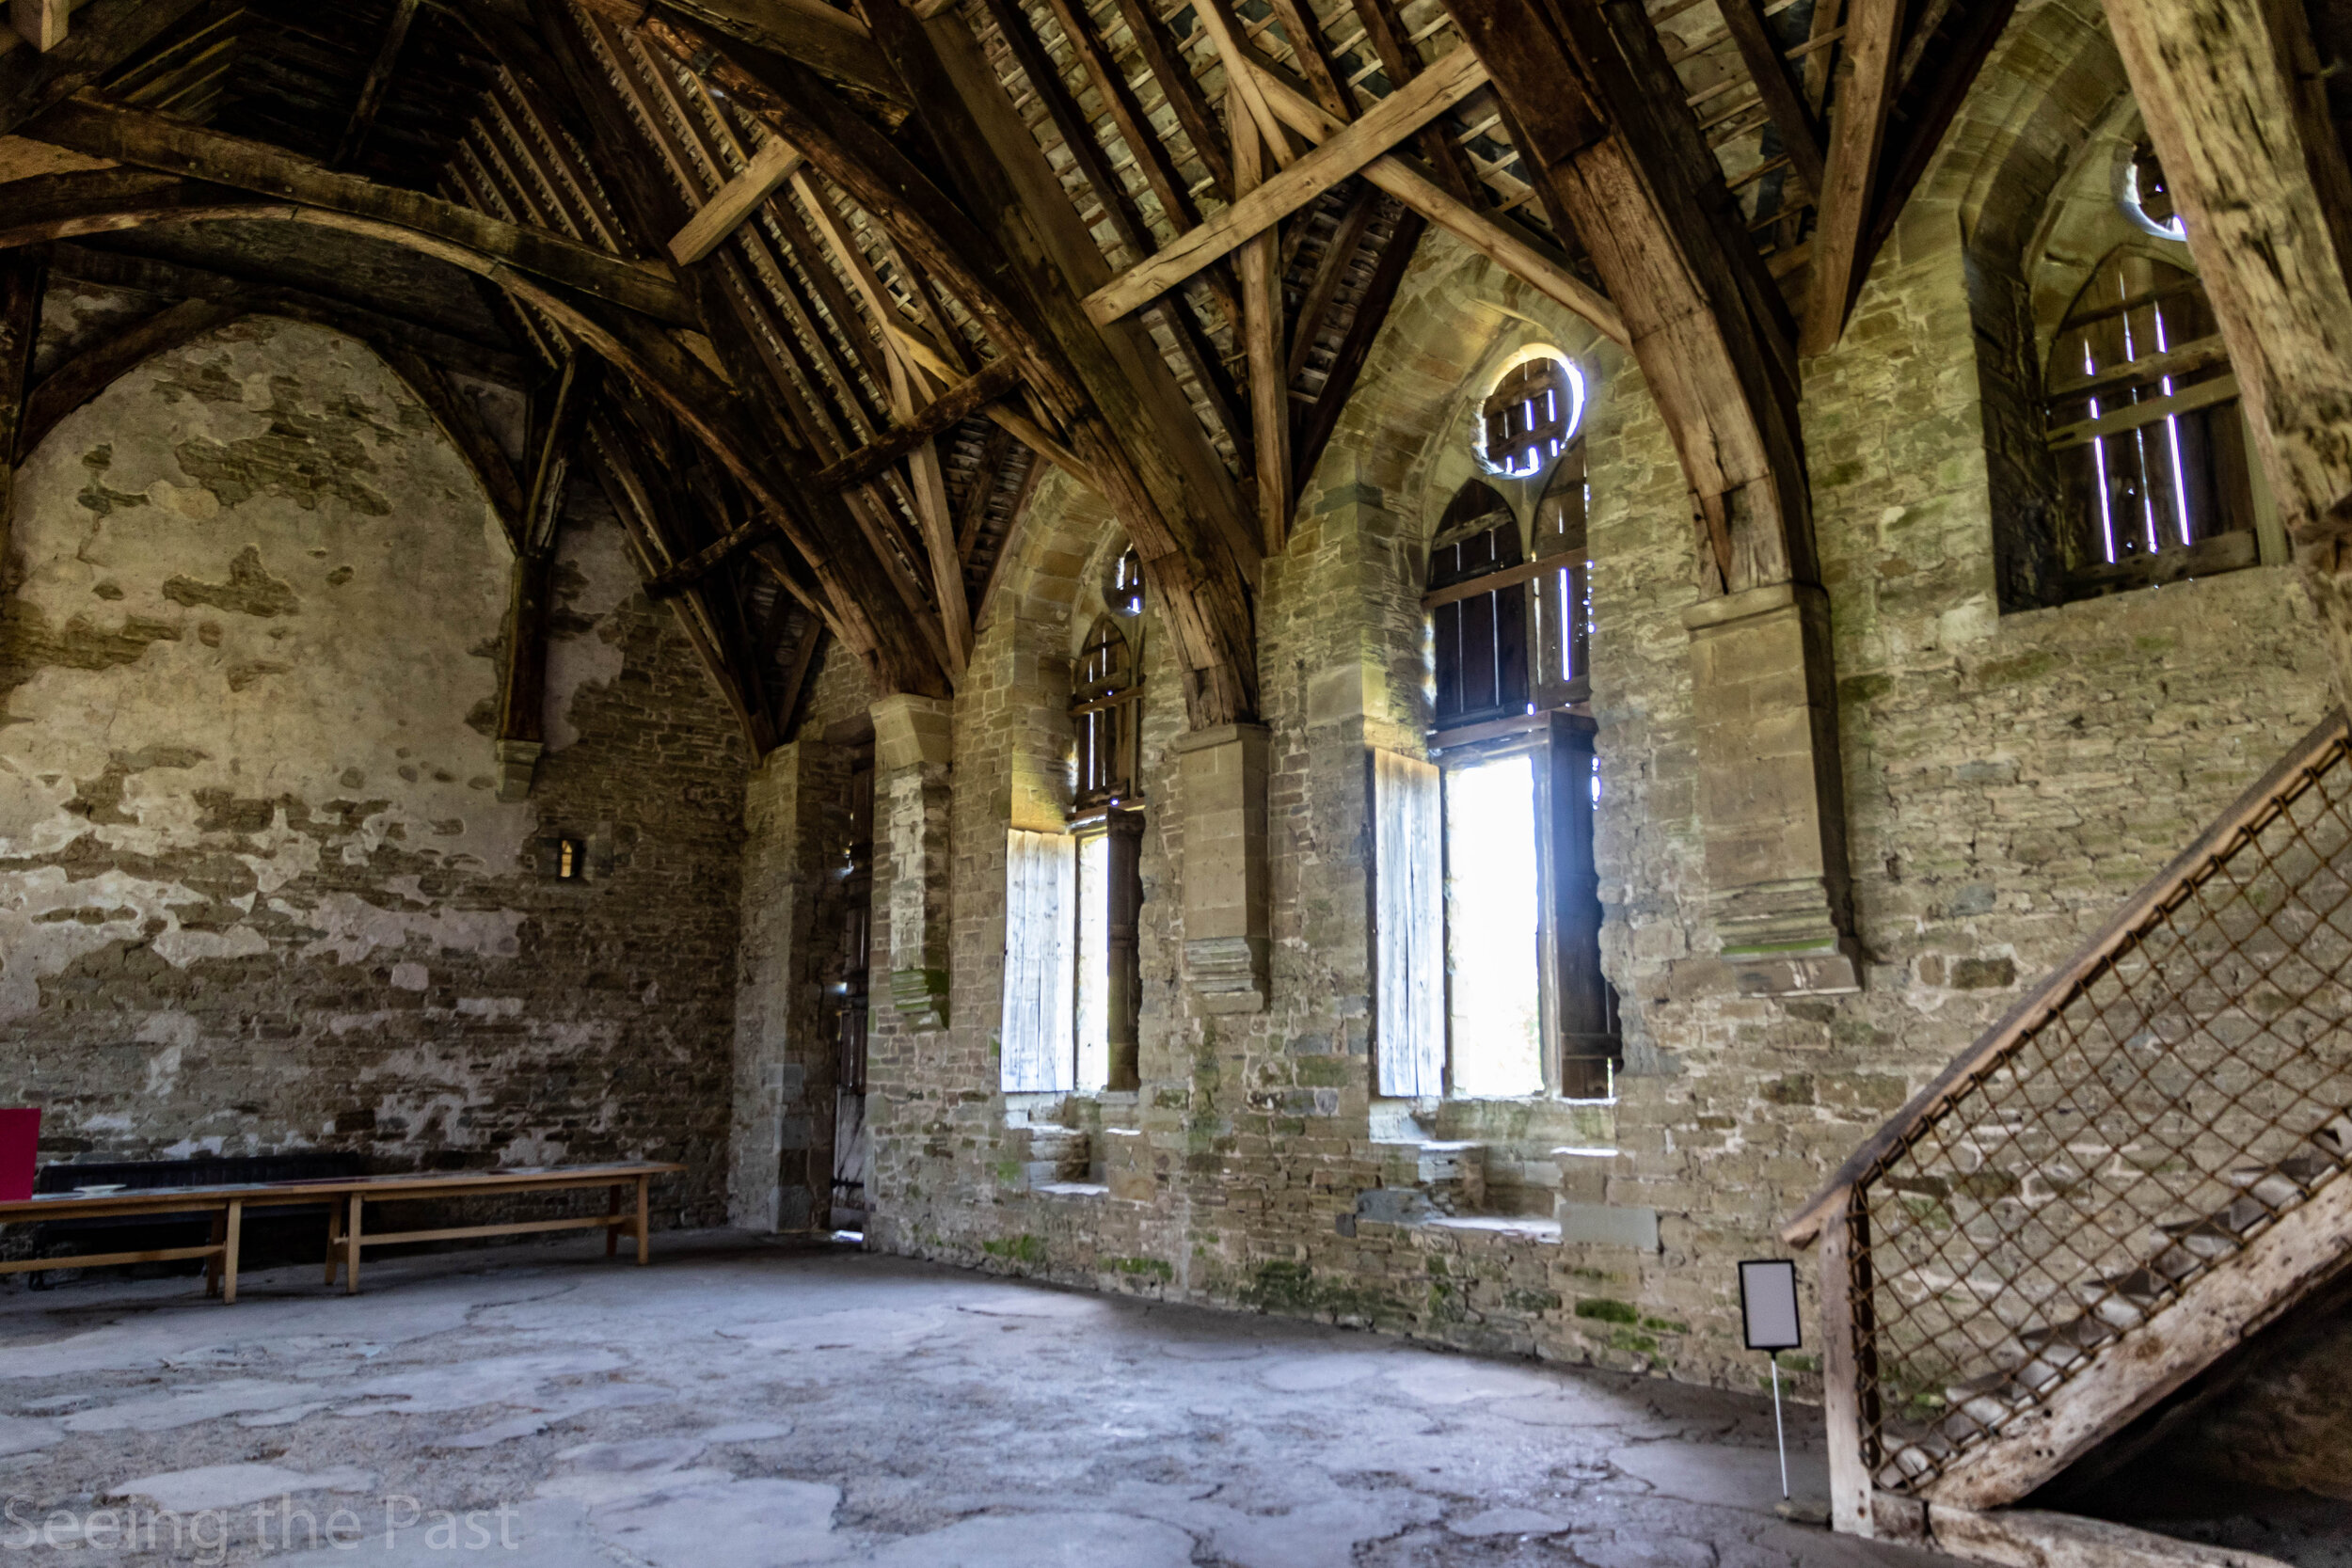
741, 1404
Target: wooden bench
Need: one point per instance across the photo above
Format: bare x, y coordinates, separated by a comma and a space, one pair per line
347, 1234
346, 1198
223, 1204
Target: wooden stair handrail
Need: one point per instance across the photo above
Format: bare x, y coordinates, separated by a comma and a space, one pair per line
2223, 836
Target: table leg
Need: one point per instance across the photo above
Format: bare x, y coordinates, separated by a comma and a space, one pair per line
351, 1249
228, 1252
211, 1264
644, 1246
613, 1211
334, 1241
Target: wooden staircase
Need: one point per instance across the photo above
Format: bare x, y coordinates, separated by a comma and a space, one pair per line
2136, 1168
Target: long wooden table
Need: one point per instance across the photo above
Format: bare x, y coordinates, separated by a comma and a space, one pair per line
344, 1199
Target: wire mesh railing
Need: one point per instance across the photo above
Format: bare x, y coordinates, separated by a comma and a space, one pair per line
2169, 1096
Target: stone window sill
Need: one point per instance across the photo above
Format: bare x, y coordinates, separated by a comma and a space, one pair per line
1518, 1227
1074, 1189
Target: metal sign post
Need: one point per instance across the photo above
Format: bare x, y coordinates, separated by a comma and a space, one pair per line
1768, 1317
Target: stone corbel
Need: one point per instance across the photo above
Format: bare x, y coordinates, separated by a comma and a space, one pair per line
914, 748
1772, 797
517, 760
1228, 921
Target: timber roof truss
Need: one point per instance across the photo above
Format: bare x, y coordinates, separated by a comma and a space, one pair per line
816, 293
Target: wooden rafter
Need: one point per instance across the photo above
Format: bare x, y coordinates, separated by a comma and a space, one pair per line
1004, 278
625, 474
1165, 58
774, 164
1631, 177
1346, 151
1931, 98
438, 228
378, 81
985, 474
575, 396
23, 278
1858, 113
98, 366
1262, 338
460, 419
1499, 241
1347, 238
1782, 96
105, 34
1355, 349
1386, 31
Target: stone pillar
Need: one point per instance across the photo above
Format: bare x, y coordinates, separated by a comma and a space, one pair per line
1228, 922
1772, 802
795, 819
914, 745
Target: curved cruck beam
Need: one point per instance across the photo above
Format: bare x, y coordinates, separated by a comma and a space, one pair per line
1201, 588
64, 206
458, 234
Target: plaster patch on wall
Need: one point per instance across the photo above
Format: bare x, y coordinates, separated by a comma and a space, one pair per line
592, 577
355, 929
47, 921
307, 635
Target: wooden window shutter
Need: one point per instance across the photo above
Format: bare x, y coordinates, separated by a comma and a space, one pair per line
1040, 974
1408, 926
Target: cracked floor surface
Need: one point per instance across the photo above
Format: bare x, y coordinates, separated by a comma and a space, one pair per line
739, 1405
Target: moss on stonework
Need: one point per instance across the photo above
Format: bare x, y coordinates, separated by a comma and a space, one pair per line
1023, 1248
1666, 1326
1532, 1301
1637, 1344
1602, 1310
1159, 1269
1293, 1288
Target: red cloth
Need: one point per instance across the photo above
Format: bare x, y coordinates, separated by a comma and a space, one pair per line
20, 1139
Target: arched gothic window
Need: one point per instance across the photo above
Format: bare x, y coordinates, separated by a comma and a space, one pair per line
1477, 605
1073, 988
2157, 482
1106, 702
1488, 907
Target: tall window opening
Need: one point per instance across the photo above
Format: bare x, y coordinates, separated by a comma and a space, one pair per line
2157, 480
1074, 984
851, 996
1487, 903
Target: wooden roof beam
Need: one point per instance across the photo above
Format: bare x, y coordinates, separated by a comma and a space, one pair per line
942, 413
378, 83
1262, 337
102, 129
724, 213
107, 33
1784, 100
23, 280
1589, 98
1347, 152
1866, 92
823, 37
1505, 243
98, 366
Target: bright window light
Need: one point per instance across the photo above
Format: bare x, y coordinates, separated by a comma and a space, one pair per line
1493, 919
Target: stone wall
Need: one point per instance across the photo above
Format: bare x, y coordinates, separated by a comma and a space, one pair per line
256, 893
2010, 779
